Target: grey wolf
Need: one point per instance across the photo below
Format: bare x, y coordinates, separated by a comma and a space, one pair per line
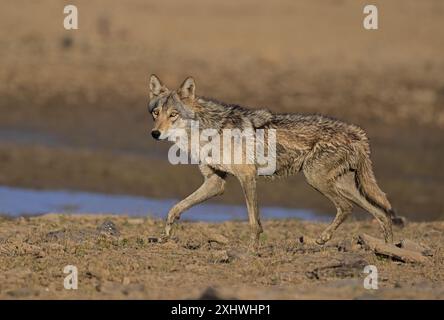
334, 156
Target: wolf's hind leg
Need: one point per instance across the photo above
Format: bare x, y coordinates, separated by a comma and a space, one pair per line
343, 209
212, 186
347, 187
323, 181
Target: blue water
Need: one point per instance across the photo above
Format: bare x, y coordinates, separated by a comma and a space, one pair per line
29, 137
20, 201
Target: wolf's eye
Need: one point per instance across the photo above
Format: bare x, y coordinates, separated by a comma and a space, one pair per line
155, 113
173, 114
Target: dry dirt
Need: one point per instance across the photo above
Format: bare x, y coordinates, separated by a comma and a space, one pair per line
206, 260
86, 90
74, 103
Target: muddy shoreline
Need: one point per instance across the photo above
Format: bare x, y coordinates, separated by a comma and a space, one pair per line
405, 161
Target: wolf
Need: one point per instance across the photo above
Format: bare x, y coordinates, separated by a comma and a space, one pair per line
334, 156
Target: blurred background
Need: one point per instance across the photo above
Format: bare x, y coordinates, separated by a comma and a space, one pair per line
73, 103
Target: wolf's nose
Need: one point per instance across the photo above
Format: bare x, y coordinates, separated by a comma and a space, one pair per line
155, 134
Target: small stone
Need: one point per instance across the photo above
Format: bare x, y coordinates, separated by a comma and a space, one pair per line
221, 256
55, 235
344, 246
209, 293
218, 238
135, 221
108, 227
192, 245
410, 245
23, 293
153, 239
236, 254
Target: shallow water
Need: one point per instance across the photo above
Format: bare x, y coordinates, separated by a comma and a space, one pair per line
20, 201
29, 137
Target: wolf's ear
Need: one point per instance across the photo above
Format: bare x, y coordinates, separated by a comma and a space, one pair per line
187, 88
156, 87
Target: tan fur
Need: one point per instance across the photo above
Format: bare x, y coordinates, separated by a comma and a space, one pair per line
334, 156
367, 183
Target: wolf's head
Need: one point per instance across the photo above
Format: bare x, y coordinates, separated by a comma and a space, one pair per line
171, 109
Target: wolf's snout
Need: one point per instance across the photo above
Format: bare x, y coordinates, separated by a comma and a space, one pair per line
155, 134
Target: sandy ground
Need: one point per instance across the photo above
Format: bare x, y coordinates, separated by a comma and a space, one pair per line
73, 116
74, 102
206, 261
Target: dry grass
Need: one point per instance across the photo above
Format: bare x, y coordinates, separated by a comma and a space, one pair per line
34, 252
88, 88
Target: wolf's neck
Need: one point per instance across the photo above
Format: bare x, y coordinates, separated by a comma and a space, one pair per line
210, 114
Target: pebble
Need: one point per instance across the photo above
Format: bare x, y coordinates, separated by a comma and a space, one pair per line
108, 227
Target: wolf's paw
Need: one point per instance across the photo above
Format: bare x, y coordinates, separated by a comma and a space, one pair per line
399, 221
167, 231
323, 238
253, 246
164, 238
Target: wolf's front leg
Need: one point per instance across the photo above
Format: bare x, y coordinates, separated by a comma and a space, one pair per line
212, 186
248, 183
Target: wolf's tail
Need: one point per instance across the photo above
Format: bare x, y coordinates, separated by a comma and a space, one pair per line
369, 189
